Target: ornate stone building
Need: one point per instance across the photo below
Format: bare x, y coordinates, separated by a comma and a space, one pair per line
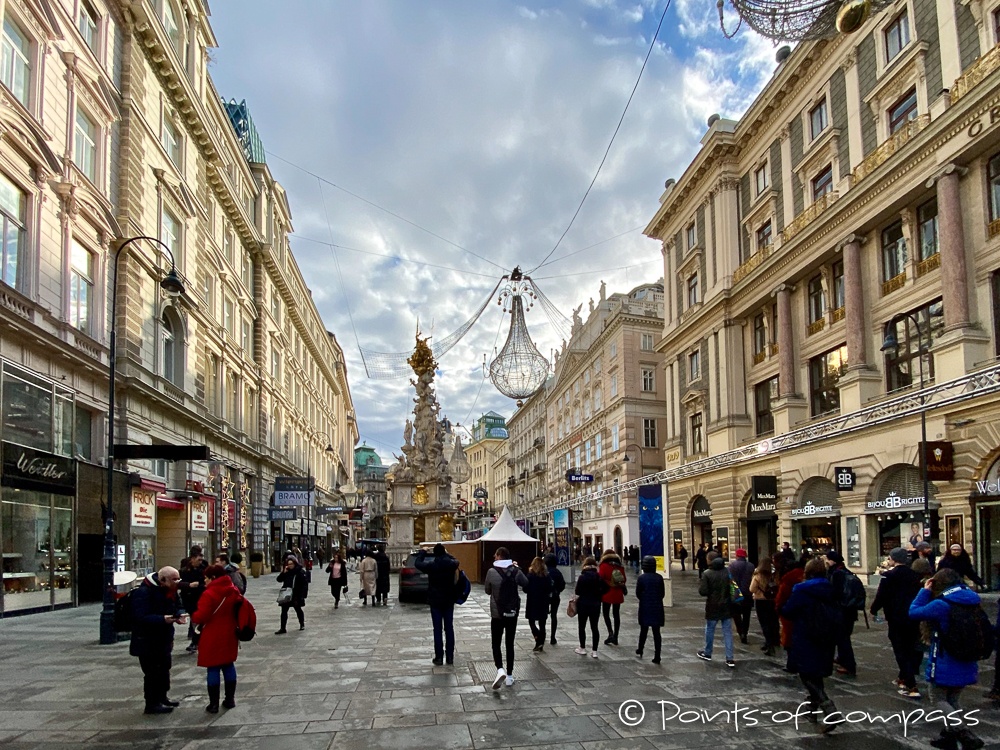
861, 188
526, 454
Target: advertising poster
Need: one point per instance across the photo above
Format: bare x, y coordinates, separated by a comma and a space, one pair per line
143, 507
563, 534
651, 523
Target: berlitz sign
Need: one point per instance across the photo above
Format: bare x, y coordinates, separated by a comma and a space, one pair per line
571, 477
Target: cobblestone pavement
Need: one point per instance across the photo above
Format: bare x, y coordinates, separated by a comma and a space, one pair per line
361, 678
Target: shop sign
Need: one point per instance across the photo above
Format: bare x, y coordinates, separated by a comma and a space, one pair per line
293, 491
988, 487
281, 514
293, 527
480, 493
143, 507
701, 511
763, 497
845, 478
561, 518
38, 470
939, 457
894, 502
199, 515
576, 478
809, 509
722, 542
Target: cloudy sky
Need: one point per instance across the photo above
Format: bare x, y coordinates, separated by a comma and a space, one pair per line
482, 123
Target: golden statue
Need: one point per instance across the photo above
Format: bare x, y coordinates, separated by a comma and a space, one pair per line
420, 495
446, 527
422, 359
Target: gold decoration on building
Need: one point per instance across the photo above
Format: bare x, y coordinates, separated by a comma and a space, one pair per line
420, 495
422, 359
446, 527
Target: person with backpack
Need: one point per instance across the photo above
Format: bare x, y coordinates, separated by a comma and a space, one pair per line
558, 586
538, 601
650, 591
849, 593
817, 615
960, 636
337, 578
191, 585
896, 591
764, 590
219, 645
441, 571
958, 560
741, 571
683, 555
155, 607
502, 583
701, 560
613, 573
383, 569
233, 571
293, 577
590, 591
717, 587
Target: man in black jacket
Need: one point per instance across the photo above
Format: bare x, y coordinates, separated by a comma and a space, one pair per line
440, 572
845, 661
558, 586
155, 608
896, 592
382, 581
717, 586
191, 585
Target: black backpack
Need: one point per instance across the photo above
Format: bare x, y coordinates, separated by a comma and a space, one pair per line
970, 635
854, 594
508, 602
123, 613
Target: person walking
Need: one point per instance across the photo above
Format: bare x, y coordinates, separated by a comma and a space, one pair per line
155, 608
382, 568
368, 573
741, 571
650, 591
337, 579
764, 590
958, 560
818, 625
947, 674
701, 560
294, 578
440, 572
923, 551
787, 582
716, 586
233, 571
838, 574
539, 601
219, 645
590, 591
896, 591
683, 555
191, 585
626, 556
613, 573
788, 553
502, 583
558, 586
587, 550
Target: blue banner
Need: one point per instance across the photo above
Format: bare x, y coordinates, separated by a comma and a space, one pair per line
651, 523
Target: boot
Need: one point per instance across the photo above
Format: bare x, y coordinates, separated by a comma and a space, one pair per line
213, 699
968, 740
230, 701
948, 740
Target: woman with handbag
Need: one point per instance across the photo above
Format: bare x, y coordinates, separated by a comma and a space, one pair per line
369, 577
764, 590
295, 589
613, 573
337, 569
590, 588
219, 644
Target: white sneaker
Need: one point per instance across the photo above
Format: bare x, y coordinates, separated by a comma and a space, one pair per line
510, 680
499, 680
593, 654
580, 651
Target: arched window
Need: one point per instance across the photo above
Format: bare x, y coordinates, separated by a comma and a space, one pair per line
172, 348
171, 25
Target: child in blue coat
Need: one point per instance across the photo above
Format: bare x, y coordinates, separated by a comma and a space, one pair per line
946, 674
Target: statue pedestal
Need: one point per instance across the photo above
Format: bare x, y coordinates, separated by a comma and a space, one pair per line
415, 516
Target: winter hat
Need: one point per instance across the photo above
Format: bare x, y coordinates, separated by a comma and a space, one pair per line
900, 555
835, 556
741, 553
648, 564
923, 547
439, 550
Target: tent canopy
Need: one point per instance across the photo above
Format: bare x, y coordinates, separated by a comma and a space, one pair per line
505, 530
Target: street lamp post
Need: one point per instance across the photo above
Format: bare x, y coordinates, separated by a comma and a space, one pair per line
890, 343
171, 284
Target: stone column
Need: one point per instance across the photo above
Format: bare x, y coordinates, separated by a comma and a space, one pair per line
952, 238
854, 304
786, 348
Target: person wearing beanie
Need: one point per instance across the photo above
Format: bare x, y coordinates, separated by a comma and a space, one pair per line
741, 571
650, 591
838, 573
558, 586
896, 591
923, 551
440, 572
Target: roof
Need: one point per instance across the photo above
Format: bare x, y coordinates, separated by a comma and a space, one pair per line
239, 117
505, 530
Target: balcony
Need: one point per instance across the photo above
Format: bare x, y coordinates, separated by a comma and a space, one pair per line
838, 314
805, 218
896, 282
816, 326
755, 260
928, 264
993, 228
511, 482
975, 74
539, 469
759, 357
510, 461
891, 145
538, 442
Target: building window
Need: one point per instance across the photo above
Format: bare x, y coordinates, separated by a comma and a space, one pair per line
576, 417
760, 179
817, 299
16, 61
87, 23
996, 312
275, 363
171, 140
817, 120
692, 236
822, 183
170, 234
893, 251
764, 237
246, 340
614, 438
647, 342
996, 26
648, 433
228, 248
993, 173
597, 367
614, 349
897, 36
169, 19
927, 222
276, 306
648, 380
901, 366
692, 289
597, 446
86, 146
12, 213
697, 435
903, 112
586, 409
588, 457
171, 349
838, 285
83, 434
229, 317
81, 287
614, 385
759, 334
763, 394
597, 400
825, 372
694, 365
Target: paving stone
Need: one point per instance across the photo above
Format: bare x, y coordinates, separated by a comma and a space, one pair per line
445, 737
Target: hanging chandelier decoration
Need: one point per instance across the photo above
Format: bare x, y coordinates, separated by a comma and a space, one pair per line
519, 369
801, 20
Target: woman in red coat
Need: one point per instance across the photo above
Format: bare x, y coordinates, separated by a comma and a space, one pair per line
795, 575
611, 602
219, 645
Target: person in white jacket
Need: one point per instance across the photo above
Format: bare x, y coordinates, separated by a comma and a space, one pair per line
502, 583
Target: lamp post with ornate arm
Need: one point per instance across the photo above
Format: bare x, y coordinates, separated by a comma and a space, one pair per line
171, 284
889, 343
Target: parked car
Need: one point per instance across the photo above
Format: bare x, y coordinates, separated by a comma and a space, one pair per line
412, 582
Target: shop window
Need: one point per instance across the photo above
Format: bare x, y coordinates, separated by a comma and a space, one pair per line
648, 433
927, 222
903, 111
764, 394
16, 69
764, 236
839, 297
29, 411
13, 204
822, 184
817, 299
759, 334
825, 372
897, 36
648, 380
87, 24
85, 145
760, 179
893, 251
901, 365
817, 120
697, 436
81, 287
37, 530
